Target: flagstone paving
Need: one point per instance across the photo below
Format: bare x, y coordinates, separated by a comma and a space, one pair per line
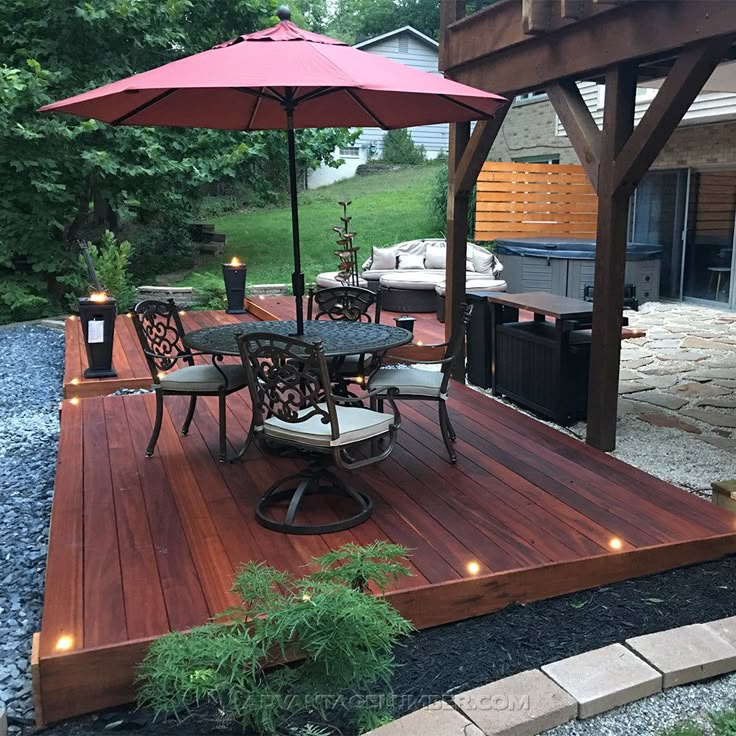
677, 391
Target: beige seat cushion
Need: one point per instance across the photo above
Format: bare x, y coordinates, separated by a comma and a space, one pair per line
204, 378
328, 280
476, 284
414, 381
355, 424
424, 280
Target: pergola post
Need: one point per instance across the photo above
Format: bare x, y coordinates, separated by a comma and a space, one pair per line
610, 259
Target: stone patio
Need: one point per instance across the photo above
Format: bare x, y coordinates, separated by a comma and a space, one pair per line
678, 394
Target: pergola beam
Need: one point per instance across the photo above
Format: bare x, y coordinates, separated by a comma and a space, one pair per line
579, 125
690, 72
489, 49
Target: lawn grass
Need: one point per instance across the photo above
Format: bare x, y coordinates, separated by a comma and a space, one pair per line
386, 208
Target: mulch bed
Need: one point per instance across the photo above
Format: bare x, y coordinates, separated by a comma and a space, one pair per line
456, 657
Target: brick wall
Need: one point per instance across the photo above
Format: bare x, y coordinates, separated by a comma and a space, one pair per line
700, 145
529, 130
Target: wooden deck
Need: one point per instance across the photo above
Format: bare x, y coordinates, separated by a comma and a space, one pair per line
130, 364
141, 546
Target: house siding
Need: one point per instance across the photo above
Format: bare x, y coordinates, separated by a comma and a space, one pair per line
419, 55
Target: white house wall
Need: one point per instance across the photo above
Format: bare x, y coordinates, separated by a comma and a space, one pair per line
708, 107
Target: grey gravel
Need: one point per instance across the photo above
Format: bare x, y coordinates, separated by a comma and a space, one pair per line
31, 370
648, 717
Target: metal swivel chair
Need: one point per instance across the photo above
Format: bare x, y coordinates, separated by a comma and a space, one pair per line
293, 405
412, 383
161, 332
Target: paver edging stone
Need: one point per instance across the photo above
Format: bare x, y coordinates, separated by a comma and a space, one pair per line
466, 719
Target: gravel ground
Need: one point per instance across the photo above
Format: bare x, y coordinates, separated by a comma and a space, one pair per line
31, 366
648, 717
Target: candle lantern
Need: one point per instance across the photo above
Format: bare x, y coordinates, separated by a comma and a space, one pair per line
234, 274
406, 322
97, 314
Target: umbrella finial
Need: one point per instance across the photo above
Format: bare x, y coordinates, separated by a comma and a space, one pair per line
283, 13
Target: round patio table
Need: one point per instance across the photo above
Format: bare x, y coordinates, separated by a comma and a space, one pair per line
339, 339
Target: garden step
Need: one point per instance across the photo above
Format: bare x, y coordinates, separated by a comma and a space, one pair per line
605, 678
686, 654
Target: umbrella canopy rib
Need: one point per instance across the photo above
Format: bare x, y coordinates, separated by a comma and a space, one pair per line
365, 109
145, 106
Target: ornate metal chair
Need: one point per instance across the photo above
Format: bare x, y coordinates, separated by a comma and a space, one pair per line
346, 304
412, 383
293, 405
160, 331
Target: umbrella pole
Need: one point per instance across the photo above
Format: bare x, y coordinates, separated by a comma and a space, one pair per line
297, 278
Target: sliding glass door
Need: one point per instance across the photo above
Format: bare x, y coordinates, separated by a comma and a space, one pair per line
710, 236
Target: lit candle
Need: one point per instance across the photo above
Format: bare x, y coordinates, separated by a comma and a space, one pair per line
98, 296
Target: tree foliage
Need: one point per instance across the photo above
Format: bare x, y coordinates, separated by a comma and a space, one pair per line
63, 178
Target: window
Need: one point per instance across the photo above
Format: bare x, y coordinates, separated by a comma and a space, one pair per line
551, 158
350, 152
530, 97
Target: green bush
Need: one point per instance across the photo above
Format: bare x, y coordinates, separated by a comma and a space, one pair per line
210, 292
111, 260
399, 148
344, 635
160, 246
438, 203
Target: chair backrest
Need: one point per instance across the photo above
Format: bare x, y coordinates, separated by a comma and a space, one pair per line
344, 304
288, 379
455, 343
160, 331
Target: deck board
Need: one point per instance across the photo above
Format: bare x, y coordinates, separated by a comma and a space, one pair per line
139, 546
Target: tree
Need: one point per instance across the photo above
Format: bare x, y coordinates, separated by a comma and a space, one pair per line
63, 178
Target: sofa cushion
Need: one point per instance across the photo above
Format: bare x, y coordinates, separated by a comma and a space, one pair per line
410, 261
476, 284
329, 280
436, 256
485, 262
384, 259
418, 280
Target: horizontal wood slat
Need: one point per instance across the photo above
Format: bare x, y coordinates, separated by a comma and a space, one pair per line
534, 200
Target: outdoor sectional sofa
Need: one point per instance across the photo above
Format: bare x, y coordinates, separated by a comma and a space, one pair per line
411, 275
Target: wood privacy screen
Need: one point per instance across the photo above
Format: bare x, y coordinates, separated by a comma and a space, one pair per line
713, 217
521, 200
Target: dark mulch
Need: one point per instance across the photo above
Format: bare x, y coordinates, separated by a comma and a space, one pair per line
452, 658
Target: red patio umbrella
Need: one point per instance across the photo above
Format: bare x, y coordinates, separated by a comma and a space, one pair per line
283, 78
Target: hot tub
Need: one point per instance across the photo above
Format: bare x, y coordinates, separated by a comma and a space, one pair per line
565, 266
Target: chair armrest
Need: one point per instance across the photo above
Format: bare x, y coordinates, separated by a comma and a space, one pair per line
407, 361
367, 395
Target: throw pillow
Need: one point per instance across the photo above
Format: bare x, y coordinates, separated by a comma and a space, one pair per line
384, 259
410, 261
436, 257
485, 262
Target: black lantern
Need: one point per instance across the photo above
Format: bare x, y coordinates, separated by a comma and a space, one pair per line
234, 274
97, 314
405, 322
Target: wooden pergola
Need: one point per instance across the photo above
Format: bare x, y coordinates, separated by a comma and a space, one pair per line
518, 46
